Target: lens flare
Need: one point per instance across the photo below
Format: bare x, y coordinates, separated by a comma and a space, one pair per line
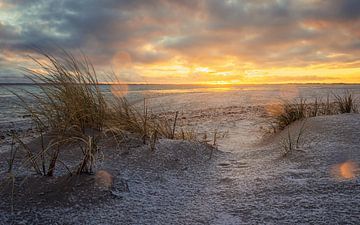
274, 108
104, 179
347, 170
289, 92
119, 89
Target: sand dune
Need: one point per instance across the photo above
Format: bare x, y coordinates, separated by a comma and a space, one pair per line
244, 183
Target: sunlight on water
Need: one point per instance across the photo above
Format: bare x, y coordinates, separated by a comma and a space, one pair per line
189, 90
221, 89
347, 170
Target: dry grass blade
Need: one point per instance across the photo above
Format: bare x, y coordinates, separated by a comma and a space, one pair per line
293, 138
88, 161
13, 152
30, 156
174, 125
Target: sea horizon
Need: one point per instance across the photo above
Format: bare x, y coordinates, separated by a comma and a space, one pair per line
193, 84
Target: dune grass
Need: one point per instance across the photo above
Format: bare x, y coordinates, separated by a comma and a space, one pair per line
291, 140
302, 108
69, 106
346, 103
123, 117
71, 95
291, 112
72, 110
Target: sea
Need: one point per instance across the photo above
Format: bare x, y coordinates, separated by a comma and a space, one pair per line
14, 117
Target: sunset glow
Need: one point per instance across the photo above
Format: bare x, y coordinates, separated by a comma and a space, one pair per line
206, 41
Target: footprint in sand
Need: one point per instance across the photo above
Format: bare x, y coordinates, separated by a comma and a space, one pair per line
236, 164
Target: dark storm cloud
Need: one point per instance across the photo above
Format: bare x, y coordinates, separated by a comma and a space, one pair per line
86, 24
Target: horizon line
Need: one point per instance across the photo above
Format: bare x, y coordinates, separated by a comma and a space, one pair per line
200, 84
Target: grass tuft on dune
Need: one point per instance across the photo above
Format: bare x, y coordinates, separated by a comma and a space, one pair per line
300, 109
72, 110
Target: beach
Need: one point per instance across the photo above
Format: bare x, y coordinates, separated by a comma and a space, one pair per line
204, 108
179, 112
240, 178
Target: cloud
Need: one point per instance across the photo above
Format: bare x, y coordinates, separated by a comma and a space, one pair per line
257, 33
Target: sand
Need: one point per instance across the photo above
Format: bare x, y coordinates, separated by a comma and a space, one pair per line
246, 181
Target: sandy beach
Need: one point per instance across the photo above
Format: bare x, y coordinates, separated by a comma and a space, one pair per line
164, 112
242, 180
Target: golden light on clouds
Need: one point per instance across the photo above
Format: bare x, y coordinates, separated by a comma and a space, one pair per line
183, 72
208, 42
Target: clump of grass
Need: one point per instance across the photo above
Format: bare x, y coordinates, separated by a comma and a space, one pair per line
69, 106
346, 103
123, 117
300, 109
291, 112
314, 109
72, 110
292, 140
70, 94
186, 135
71, 113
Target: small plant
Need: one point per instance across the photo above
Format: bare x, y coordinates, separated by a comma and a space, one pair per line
153, 139
300, 109
89, 149
314, 108
291, 141
187, 135
346, 103
72, 110
286, 143
215, 138
70, 103
291, 112
327, 108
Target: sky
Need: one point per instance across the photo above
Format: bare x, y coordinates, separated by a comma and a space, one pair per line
190, 41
